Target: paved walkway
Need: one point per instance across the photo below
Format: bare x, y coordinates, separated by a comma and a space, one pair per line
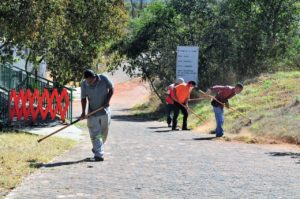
145, 160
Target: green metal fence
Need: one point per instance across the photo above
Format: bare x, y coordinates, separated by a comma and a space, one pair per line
12, 77
4, 106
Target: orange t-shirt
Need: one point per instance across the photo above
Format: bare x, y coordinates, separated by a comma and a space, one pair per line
182, 92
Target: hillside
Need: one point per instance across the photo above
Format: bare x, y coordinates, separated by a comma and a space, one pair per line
272, 101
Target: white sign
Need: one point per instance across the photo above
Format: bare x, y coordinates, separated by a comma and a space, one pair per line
187, 63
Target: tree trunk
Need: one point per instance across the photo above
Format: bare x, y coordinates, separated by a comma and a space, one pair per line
155, 90
132, 8
141, 4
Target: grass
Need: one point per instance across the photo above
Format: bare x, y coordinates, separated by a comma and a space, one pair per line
152, 110
272, 101
20, 155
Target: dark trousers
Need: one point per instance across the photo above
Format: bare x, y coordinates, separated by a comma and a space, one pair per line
169, 111
185, 113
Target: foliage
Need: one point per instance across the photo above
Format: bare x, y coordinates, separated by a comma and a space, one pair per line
238, 39
67, 34
135, 7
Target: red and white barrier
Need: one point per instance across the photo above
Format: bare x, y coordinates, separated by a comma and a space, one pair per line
23, 104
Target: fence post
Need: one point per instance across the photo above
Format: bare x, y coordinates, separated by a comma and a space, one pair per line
71, 106
8, 110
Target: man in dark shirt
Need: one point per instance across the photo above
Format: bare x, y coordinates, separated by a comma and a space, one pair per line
222, 94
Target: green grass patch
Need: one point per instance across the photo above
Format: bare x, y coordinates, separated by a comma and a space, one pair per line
152, 110
272, 101
20, 155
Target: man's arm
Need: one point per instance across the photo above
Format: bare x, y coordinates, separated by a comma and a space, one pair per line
83, 106
109, 95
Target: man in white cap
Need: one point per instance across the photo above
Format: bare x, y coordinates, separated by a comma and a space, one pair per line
170, 102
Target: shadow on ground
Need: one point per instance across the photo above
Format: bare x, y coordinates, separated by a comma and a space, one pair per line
164, 131
158, 127
282, 154
204, 138
35, 164
130, 118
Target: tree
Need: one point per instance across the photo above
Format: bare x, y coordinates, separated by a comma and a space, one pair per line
237, 38
147, 49
67, 34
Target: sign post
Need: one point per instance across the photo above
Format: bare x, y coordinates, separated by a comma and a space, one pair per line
187, 63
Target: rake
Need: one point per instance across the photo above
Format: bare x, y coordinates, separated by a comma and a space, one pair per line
240, 113
74, 122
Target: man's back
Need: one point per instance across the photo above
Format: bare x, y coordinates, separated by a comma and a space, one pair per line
182, 92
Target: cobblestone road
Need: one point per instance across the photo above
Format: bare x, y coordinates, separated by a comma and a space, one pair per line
146, 160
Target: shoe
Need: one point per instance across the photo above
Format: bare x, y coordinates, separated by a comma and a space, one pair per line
175, 129
169, 125
98, 159
185, 129
218, 136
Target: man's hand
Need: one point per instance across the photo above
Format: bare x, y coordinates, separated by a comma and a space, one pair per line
227, 105
82, 116
106, 104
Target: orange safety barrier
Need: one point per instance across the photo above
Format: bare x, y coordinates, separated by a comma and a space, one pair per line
23, 104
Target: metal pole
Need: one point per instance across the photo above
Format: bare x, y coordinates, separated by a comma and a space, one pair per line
71, 106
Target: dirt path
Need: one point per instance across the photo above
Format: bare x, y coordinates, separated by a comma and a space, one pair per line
144, 159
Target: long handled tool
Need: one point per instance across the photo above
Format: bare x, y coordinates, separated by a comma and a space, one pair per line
79, 119
189, 109
193, 112
240, 113
197, 99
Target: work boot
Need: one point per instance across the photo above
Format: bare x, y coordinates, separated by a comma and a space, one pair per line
98, 159
185, 129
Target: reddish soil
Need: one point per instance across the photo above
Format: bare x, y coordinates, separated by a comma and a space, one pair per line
130, 93
126, 95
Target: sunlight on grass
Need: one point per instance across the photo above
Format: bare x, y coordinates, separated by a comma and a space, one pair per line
20, 155
271, 101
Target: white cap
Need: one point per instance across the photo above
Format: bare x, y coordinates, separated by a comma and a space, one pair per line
180, 80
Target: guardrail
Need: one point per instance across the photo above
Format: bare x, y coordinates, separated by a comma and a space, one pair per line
12, 77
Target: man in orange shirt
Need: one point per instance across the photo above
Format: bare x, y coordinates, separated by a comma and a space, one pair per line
170, 101
182, 94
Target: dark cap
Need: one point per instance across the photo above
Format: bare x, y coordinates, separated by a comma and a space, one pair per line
88, 73
192, 83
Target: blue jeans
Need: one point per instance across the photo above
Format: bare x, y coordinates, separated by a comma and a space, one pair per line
219, 115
